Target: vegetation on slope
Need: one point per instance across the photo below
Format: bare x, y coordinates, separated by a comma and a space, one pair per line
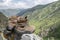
46, 19
3, 21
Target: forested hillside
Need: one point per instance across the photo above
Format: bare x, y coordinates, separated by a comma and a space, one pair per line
3, 21
46, 20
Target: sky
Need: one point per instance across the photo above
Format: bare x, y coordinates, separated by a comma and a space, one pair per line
22, 3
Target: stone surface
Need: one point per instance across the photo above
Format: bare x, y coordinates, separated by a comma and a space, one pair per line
30, 37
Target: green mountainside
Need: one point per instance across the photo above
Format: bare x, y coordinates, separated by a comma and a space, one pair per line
3, 21
46, 20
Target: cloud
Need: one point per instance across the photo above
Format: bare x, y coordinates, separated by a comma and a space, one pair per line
22, 3
1, 0
10, 4
43, 1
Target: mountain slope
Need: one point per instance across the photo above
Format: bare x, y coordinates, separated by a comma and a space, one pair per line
3, 21
46, 19
30, 10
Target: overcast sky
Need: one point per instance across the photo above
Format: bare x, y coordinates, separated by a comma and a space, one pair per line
22, 3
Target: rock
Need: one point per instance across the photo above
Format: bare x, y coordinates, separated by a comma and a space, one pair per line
2, 37
30, 37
